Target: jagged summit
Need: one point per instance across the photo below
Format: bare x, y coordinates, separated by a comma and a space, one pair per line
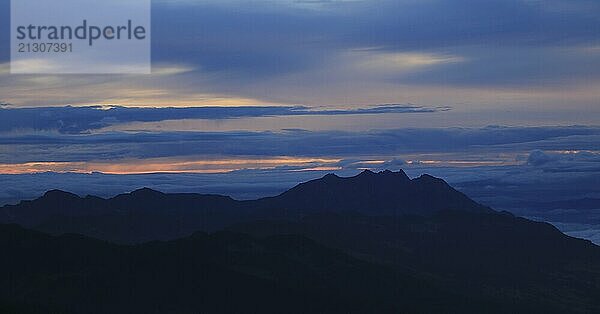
366, 173
399, 173
385, 173
384, 192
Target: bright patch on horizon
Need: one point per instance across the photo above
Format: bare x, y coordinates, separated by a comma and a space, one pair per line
167, 165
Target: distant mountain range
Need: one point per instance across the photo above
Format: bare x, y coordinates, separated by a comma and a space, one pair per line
146, 215
373, 243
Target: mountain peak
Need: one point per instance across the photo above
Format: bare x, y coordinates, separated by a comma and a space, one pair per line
385, 192
331, 176
400, 174
366, 172
146, 192
58, 194
385, 174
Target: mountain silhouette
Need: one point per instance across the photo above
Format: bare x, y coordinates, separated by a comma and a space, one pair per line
145, 214
383, 193
139, 216
375, 242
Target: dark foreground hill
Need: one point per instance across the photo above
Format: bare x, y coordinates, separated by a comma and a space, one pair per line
374, 243
483, 256
219, 273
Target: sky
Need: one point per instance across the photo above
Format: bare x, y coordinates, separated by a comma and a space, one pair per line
250, 97
522, 56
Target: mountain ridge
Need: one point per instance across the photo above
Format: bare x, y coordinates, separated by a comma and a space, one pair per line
383, 241
138, 216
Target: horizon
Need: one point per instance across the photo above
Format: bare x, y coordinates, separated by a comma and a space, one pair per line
321, 86
300, 156
577, 229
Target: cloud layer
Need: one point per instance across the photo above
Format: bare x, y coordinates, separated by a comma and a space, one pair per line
73, 120
52, 147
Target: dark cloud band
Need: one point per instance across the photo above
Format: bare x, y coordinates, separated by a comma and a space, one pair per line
73, 120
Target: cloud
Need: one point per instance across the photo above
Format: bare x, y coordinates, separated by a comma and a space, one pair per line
565, 161
400, 62
169, 165
539, 158
504, 144
171, 69
73, 120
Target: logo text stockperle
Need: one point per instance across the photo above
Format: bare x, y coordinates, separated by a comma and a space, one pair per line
84, 31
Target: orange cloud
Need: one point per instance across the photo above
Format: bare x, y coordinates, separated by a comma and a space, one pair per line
167, 165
